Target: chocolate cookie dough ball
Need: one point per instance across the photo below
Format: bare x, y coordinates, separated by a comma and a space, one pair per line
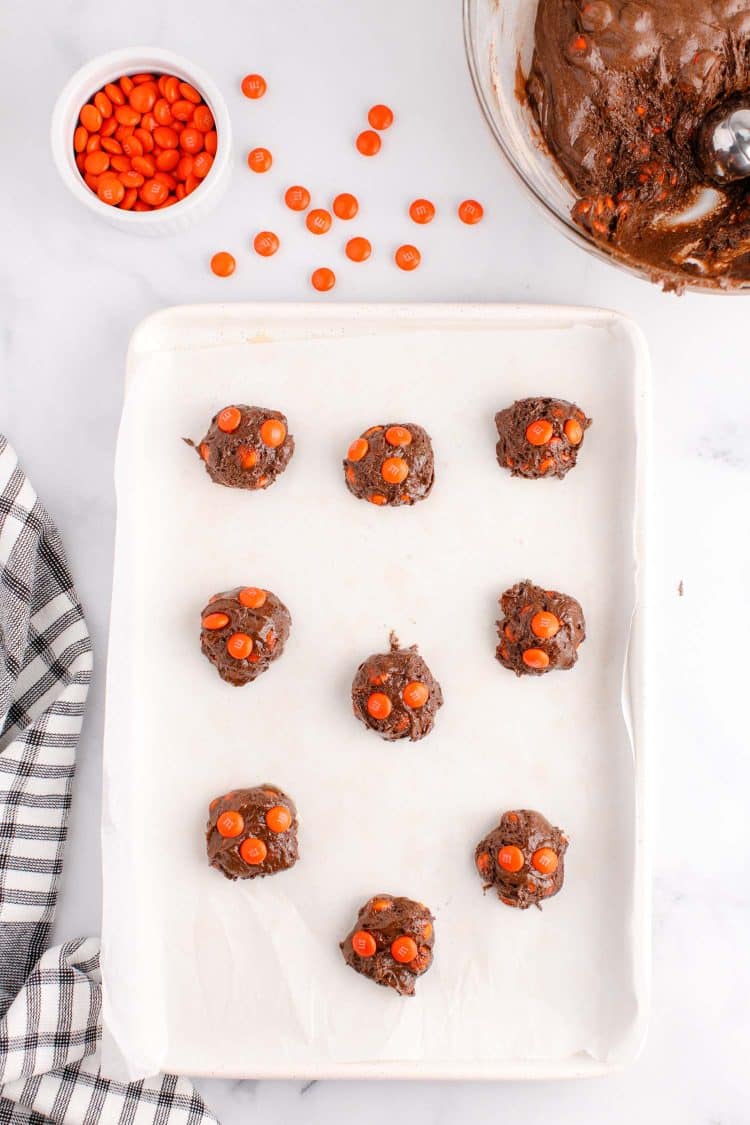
391, 465
540, 437
540, 630
391, 942
252, 832
243, 631
523, 859
395, 694
246, 447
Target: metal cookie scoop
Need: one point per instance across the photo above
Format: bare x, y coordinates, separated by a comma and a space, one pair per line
724, 142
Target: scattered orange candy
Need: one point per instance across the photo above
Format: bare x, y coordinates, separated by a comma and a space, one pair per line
230, 824
297, 198
470, 211
318, 221
254, 86
273, 433
368, 143
536, 658
380, 117
358, 249
253, 851
323, 279
259, 160
422, 211
510, 858
252, 597
415, 694
223, 264
404, 949
239, 646
363, 944
379, 705
345, 205
278, 818
407, 257
266, 243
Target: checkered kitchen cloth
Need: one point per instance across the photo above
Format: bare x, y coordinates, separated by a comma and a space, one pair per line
50, 999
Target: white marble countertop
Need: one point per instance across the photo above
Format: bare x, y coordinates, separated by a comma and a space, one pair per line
72, 291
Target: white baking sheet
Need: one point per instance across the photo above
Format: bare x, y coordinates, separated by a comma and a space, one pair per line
205, 976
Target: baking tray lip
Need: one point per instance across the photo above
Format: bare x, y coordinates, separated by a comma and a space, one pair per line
319, 320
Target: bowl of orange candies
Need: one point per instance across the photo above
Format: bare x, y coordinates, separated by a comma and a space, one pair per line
142, 137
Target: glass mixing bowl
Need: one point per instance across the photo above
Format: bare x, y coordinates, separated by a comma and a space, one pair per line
499, 38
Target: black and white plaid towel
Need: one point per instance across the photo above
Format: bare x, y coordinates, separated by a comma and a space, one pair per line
50, 999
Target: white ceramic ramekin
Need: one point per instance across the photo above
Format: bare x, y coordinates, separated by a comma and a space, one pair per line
107, 68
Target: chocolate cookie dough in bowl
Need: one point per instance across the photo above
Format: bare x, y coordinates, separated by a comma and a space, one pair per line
599, 105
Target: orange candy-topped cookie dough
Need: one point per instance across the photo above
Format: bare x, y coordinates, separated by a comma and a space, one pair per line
391, 942
252, 832
243, 631
390, 465
523, 859
540, 437
395, 694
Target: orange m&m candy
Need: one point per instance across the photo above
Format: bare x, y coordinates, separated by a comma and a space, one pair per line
323, 279
470, 211
297, 198
536, 658
318, 221
239, 646
228, 419
415, 694
230, 824
407, 257
363, 944
273, 433
358, 449
380, 117
253, 851
278, 818
573, 431
422, 211
253, 86
545, 625
358, 249
404, 949
345, 206
259, 160
368, 143
394, 470
539, 432
215, 621
398, 435
266, 243
379, 705
510, 858
252, 597
545, 861
223, 264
